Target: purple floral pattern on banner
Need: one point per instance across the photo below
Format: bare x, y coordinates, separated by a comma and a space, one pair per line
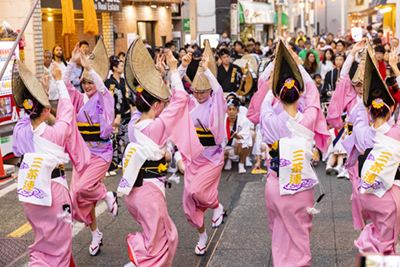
376, 185
124, 183
99, 108
24, 166
284, 162
305, 183
371, 157
36, 192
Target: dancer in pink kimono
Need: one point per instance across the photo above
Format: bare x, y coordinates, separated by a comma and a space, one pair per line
378, 150
203, 174
144, 176
346, 97
47, 203
95, 116
291, 136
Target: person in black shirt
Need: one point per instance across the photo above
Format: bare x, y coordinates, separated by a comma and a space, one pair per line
332, 78
229, 75
123, 102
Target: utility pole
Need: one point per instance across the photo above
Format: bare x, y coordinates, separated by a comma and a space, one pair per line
193, 20
234, 20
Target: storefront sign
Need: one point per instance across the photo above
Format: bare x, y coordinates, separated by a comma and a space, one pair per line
186, 25
234, 21
108, 5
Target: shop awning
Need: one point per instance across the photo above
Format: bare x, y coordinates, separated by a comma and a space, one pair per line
284, 19
256, 13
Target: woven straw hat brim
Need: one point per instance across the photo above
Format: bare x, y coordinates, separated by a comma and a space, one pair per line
358, 78
212, 64
252, 62
374, 85
140, 65
23, 79
128, 73
285, 65
98, 60
202, 83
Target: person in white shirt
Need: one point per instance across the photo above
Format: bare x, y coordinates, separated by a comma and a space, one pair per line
238, 136
58, 58
326, 63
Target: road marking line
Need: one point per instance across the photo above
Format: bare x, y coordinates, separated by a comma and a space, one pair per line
21, 231
8, 189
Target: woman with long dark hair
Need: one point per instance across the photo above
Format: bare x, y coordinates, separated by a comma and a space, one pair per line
310, 64
326, 64
122, 110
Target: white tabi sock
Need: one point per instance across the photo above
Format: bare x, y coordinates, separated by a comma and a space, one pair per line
109, 199
96, 233
203, 239
218, 211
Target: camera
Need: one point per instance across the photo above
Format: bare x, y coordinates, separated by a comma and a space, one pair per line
391, 80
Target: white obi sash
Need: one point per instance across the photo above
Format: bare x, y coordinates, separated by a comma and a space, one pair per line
380, 166
136, 154
34, 178
295, 154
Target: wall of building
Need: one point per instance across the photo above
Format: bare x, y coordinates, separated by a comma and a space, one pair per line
15, 13
126, 22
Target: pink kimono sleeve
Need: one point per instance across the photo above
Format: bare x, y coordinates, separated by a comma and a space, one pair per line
175, 123
313, 118
341, 98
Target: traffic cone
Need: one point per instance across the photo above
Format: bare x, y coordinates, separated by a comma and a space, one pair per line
3, 175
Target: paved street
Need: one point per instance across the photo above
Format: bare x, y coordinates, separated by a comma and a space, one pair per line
243, 240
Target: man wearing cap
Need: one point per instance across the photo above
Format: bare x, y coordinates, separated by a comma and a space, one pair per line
229, 75
303, 53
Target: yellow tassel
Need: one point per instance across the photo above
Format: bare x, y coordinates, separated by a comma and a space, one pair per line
162, 167
68, 17
90, 26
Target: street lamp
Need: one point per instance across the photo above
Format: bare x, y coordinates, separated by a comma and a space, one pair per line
302, 5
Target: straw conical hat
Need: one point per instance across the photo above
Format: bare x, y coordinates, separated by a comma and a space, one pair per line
98, 60
212, 65
285, 65
200, 81
374, 85
23, 79
139, 65
358, 77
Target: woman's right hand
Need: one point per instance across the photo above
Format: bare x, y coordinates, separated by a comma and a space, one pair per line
76, 54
